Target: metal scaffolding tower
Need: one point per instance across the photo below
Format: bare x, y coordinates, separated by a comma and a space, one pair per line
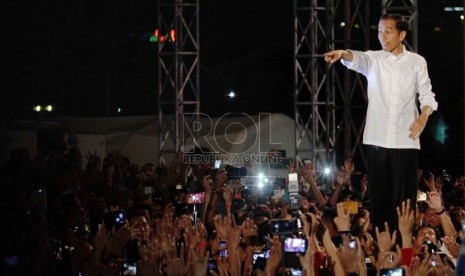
350, 86
408, 9
322, 93
314, 103
178, 73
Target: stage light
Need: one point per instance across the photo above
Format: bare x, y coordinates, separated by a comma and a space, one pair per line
119, 110
261, 176
327, 171
49, 108
342, 24
232, 94
37, 108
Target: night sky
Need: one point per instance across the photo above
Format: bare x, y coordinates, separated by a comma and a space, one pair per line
69, 53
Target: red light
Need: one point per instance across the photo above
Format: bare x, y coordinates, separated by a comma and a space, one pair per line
173, 35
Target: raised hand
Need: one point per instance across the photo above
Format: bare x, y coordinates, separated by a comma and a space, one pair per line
308, 259
429, 182
434, 201
385, 240
342, 220
452, 246
309, 172
207, 184
368, 243
274, 261
352, 257
405, 217
151, 255
291, 166
120, 238
227, 196
222, 225
174, 265
200, 264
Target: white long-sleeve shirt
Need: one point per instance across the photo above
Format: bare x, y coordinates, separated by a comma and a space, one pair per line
393, 84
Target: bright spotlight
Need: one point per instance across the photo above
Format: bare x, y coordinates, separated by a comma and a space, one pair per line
37, 108
261, 176
232, 94
49, 108
260, 184
327, 171
119, 109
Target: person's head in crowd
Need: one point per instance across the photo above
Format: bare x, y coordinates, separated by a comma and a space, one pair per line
458, 193
125, 165
139, 218
262, 214
108, 176
347, 195
457, 216
359, 221
200, 166
147, 173
93, 164
246, 194
424, 236
431, 218
281, 208
73, 160
240, 210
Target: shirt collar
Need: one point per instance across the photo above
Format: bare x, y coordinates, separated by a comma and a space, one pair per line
404, 52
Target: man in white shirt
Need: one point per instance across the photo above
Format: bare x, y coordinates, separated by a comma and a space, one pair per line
393, 124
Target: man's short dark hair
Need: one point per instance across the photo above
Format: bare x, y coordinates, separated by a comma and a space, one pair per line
416, 231
401, 23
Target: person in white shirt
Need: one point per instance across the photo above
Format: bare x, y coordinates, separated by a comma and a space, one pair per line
393, 124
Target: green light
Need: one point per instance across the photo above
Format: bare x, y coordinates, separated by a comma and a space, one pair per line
441, 130
153, 38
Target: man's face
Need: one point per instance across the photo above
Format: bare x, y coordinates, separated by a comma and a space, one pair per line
389, 37
459, 215
140, 228
431, 218
424, 234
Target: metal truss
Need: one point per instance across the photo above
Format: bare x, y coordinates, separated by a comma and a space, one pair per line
314, 97
351, 87
323, 94
178, 73
408, 9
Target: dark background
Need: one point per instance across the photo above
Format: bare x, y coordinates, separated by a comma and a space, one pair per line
70, 53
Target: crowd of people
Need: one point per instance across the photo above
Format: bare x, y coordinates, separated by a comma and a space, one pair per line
65, 213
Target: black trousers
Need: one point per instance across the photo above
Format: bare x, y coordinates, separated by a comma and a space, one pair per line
392, 178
